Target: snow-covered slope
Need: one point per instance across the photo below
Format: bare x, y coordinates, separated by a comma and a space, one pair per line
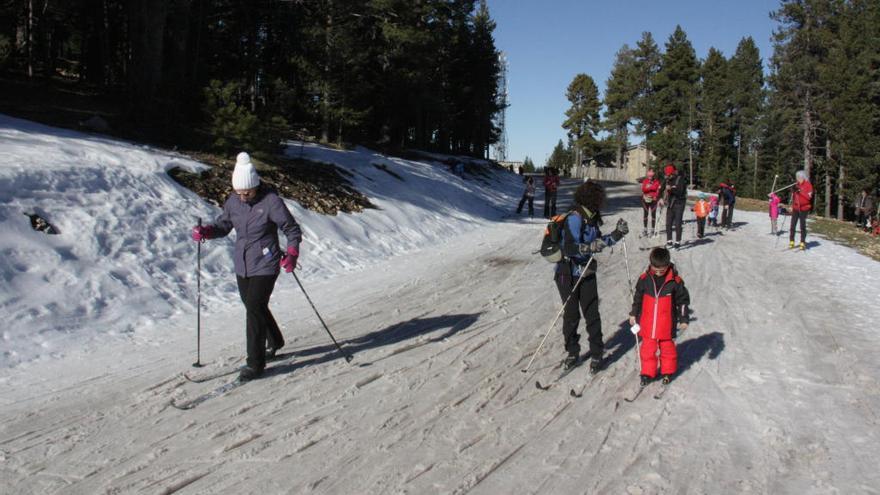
123, 261
777, 388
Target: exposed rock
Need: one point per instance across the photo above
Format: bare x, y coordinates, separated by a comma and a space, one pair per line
319, 187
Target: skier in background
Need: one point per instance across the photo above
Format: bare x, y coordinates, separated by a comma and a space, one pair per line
528, 195
801, 204
650, 195
551, 185
673, 193
701, 211
774, 212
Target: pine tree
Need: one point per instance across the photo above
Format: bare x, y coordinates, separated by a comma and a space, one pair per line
674, 98
582, 118
647, 64
714, 114
621, 93
746, 82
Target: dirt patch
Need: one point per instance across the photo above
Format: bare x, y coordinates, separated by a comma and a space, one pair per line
499, 261
320, 187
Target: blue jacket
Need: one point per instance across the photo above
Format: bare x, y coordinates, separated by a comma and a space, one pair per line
256, 227
588, 234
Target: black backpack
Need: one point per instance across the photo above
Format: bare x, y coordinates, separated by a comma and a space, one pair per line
551, 244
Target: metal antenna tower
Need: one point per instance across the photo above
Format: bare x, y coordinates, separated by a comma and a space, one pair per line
501, 145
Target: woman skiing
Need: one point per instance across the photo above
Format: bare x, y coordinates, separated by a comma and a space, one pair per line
581, 239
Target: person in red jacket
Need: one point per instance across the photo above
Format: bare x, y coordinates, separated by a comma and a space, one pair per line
660, 305
551, 184
801, 204
650, 195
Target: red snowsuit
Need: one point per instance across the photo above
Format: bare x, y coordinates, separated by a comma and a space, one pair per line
659, 304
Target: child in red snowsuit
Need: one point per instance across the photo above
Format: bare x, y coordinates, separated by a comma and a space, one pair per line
660, 304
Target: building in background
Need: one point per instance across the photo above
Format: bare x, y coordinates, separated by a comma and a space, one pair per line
635, 166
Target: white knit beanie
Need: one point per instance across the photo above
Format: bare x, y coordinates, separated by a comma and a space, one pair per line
245, 175
801, 175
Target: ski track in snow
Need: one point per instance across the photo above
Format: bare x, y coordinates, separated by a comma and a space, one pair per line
777, 391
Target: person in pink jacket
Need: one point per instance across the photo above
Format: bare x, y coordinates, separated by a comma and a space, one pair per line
774, 212
650, 195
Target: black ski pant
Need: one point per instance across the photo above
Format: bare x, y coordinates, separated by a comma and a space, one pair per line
798, 217
728, 219
531, 200
652, 210
674, 215
584, 301
701, 227
549, 204
261, 326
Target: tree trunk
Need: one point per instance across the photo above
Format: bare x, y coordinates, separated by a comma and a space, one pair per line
841, 174
808, 130
325, 87
146, 34
755, 176
827, 177
30, 39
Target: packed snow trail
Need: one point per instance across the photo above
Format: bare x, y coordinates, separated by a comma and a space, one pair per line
777, 390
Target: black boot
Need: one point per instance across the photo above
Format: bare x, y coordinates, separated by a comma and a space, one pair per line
666, 379
247, 373
570, 361
595, 365
644, 380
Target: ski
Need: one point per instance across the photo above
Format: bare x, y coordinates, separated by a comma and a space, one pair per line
562, 374
636, 396
195, 401
229, 370
663, 389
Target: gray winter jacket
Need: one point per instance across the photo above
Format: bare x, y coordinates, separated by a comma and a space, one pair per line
256, 232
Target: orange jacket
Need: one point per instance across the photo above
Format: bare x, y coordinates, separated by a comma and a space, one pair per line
701, 208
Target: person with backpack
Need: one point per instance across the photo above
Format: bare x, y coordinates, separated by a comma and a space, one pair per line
701, 211
528, 195
673, 193
801, 204
256, 213
660, 307
650, 195
551, 186
575, 274
730, 200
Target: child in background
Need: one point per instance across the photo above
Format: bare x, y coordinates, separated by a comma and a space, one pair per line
713, 211
774, 212
528, 195
701, 211
660, 305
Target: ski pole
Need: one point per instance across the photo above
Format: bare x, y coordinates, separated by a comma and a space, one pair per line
347, 356
631, 297
535, 354
784, 188
198, 363
774, 183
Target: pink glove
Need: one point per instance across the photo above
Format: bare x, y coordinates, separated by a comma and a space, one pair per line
288, 261
202, 233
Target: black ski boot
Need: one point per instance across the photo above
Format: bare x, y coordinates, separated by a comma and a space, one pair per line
570, 361
666, 379
595, 365
247, 373
644, 380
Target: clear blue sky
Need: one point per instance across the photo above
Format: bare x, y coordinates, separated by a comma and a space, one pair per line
548, 42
